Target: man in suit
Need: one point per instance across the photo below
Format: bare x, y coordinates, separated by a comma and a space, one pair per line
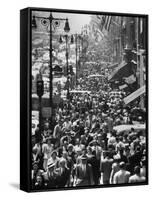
50, 176
63, 173
95, 166
96, 149
83, 173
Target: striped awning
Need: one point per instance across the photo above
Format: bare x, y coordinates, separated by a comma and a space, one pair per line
113, 66
122, 71
134, 95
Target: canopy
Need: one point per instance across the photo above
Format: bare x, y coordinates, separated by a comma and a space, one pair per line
95, 75
127, 127
44, 96
112, 65
123, 70
134, 95
80, 91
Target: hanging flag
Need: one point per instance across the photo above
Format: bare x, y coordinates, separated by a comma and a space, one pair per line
100, 26
104, 32
141, 25
107, 22
123, 24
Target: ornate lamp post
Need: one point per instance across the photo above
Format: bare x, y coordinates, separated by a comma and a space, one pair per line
77, 39
66, 37
48, 22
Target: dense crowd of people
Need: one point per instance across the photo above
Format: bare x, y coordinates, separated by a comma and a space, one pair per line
80, 147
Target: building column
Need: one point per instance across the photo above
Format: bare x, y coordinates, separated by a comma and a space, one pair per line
141, 75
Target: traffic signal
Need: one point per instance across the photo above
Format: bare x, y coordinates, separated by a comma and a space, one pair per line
40, 86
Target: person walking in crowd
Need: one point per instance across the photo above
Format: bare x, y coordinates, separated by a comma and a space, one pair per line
137, 177
106, 167
47, 149
122, 176
63, 173
50, 176
115, 168
93, 161
80, 145
83, 173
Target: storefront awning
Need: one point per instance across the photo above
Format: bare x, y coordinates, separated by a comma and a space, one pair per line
113, 66
134, 95
123, 70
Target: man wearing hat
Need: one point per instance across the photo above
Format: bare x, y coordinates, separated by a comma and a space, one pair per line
63, 173
34, 172
50, 176
54, 158
83, 173
96, 149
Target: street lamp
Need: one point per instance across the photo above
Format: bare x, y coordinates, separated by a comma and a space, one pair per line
40, 92
66, 27
34, 25
48, 22
77, 39
67, 58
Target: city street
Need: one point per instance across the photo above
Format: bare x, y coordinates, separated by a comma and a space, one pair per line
88, 100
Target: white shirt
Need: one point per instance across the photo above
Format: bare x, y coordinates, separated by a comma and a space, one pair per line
136, 179
122, 176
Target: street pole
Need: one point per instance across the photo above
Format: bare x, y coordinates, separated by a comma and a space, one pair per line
50, 53
140, 63
120, 41
40, 92
76, 61
67, 64
137, 35
142, 51
40, 114
47, 21
78, 55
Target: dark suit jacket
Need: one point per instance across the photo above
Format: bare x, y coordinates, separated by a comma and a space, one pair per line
81, 177
95, 168
52, 181
62, 179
